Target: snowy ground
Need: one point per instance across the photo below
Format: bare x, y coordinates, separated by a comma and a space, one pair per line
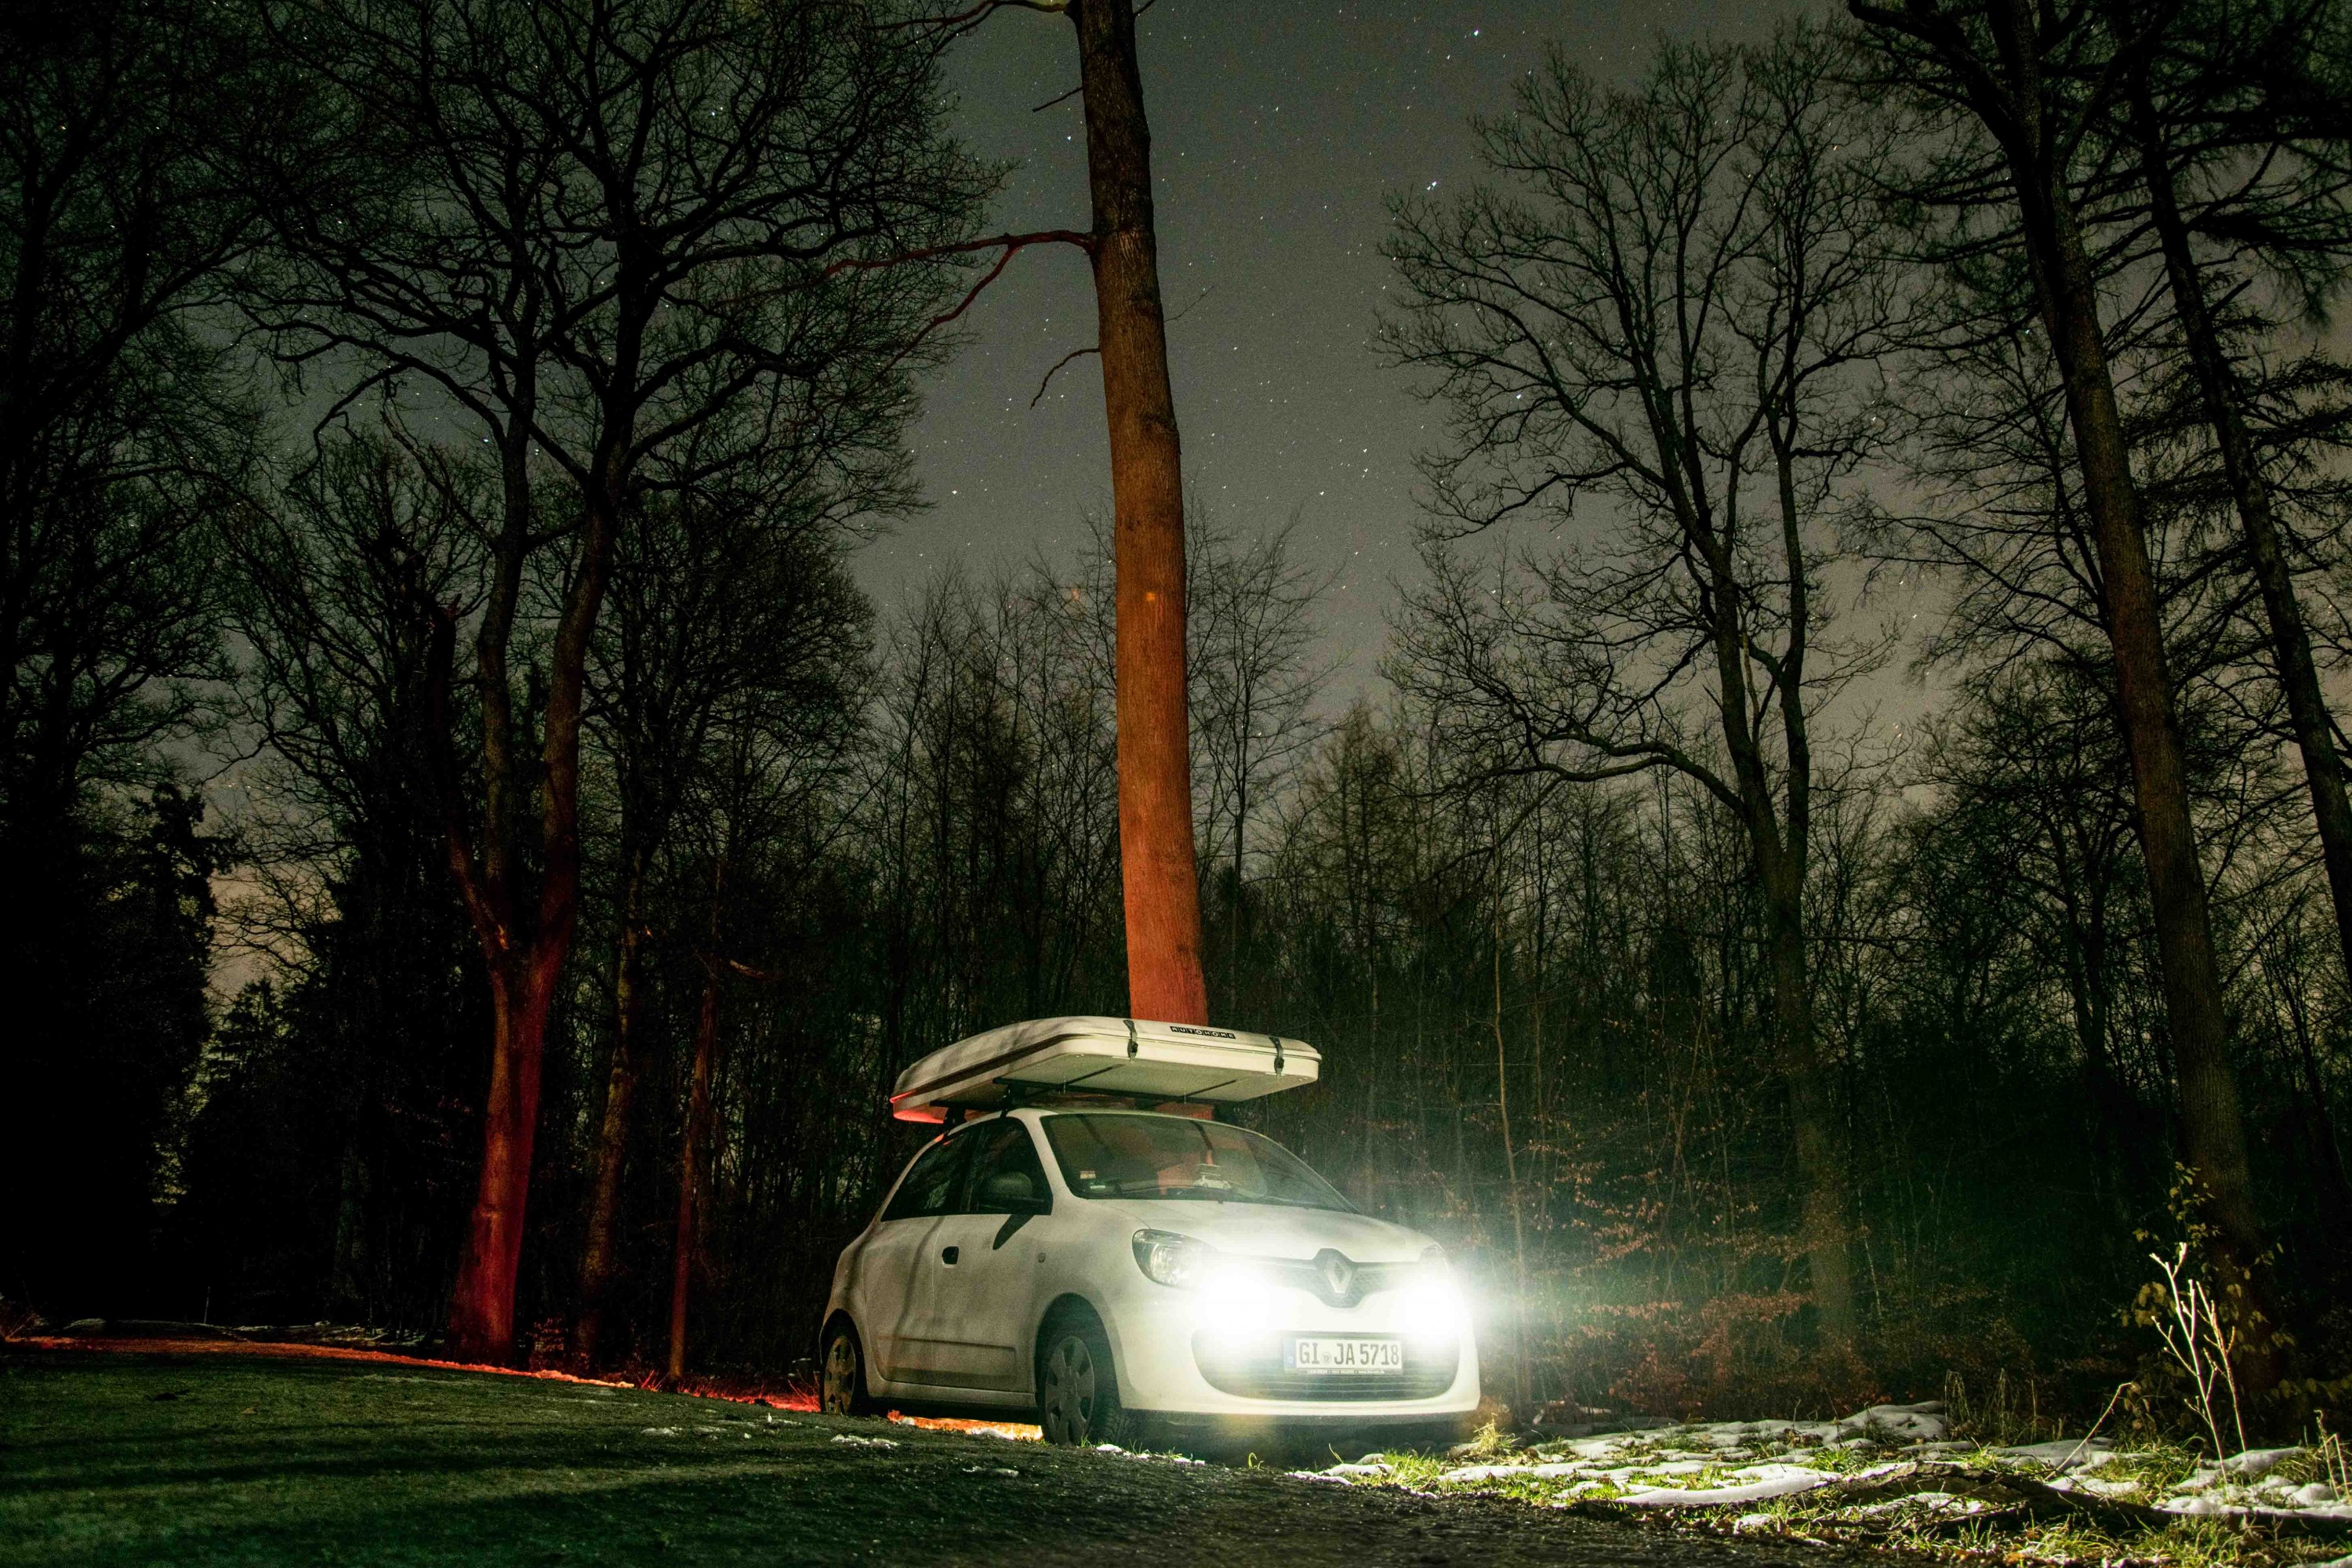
1895, 1472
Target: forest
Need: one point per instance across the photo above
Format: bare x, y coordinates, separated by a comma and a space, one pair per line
1844, 853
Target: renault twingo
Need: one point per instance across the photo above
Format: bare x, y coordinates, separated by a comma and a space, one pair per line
1126, 1274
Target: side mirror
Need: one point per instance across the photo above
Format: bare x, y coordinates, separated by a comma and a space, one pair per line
1012, 1192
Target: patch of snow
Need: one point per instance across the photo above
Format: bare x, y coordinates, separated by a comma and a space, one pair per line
2313, 1495
1769, 1482
2202, 1478
1924, 1422
2257, 1461
2098, 1487
2064, 1453
857, 1442
1361, 1469
661, 1431
1319, 1475
988, 1470
1751, 1521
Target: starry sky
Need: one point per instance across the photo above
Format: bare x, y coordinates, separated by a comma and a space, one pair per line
1280, 130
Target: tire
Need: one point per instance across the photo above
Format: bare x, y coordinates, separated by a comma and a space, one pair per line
840, 1373
1077, 1389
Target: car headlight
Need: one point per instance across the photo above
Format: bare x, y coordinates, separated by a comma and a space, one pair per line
1170, 1258
1432, 1306
1233, 1303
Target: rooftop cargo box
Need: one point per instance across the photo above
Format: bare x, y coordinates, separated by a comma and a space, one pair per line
1127, 1056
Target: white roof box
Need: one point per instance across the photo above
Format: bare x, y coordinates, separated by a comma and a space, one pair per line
1102, 1056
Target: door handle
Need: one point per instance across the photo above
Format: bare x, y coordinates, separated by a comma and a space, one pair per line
947, 1255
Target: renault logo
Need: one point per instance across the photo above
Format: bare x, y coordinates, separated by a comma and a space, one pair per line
1338, 1274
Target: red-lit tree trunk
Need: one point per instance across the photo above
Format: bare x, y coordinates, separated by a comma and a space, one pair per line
1155, 767
524, 938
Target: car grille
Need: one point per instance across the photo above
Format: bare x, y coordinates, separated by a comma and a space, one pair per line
1361, 1278
1254, 1370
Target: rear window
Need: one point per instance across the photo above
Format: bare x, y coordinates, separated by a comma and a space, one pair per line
1110, 1155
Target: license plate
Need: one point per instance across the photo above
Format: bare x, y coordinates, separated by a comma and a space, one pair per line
1343, 1355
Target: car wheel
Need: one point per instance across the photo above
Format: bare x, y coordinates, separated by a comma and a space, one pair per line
843, 1373
1077, 1391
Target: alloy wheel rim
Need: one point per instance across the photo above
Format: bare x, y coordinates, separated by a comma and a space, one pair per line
1070, 1389
840, 1369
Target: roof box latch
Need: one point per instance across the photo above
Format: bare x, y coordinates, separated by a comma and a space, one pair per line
1130, 1040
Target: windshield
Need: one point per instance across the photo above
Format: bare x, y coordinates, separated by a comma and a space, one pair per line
1144, 1156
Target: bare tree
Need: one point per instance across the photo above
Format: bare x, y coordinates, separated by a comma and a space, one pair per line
2033, 80
720, 600
1675, 311
1255, 670
589, 231
123, 438
2189, 105
1158, 874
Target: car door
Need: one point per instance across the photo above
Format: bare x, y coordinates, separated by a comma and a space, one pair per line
974, 1285
882, 1294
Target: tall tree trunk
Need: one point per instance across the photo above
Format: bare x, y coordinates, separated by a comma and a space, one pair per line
1784, 854
697, 1127
2212, 1127
1155, 771
2217, 388
524, 942
1812, 1110
481, 1306
600, 1254
1522, 1385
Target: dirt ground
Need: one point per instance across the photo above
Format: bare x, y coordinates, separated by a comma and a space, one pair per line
139, 1457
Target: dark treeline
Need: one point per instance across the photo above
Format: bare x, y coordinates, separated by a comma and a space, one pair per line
483, 860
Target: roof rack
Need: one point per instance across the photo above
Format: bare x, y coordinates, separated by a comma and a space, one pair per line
1131, 1057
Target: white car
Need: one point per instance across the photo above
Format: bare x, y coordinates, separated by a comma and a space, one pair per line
1129, 1275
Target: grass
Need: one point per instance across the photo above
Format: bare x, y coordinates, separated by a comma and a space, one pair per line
219, 1460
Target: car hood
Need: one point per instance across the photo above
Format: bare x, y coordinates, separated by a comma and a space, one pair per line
1272, 1230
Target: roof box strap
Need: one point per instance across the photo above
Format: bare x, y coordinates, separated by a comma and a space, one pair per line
1130, 1038
1277, 1052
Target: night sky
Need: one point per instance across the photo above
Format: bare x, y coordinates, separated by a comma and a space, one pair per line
1279, 130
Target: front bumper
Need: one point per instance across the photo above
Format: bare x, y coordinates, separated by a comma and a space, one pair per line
1184, 1353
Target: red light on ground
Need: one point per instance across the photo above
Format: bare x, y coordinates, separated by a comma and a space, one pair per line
1017, 1431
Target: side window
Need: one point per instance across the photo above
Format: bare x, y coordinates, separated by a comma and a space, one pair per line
1006, 1177
929, 1187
